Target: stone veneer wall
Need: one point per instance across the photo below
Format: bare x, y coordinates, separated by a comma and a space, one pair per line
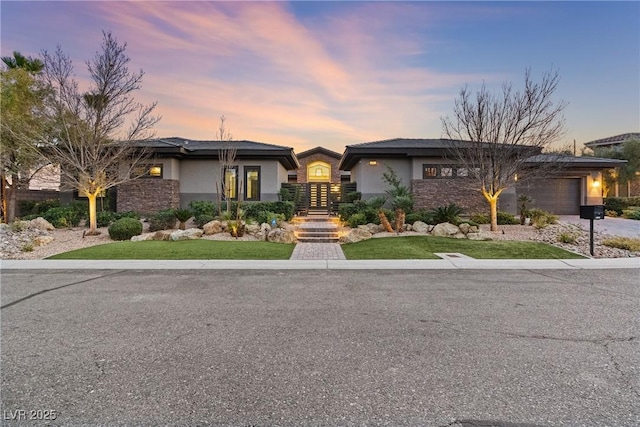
302, 171
433, 193
148, 195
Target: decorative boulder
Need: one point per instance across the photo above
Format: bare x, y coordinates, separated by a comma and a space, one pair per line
481, 235
421, 227
41, 224
372, 228
282, 235
464, 227
189, 234
212, 227
145, 236
42, 240
161, 235
253, 229
355, 235
445, 229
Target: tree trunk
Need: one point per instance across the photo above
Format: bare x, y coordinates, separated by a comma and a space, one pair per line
385, 222
493, 204
400, 220
93, 224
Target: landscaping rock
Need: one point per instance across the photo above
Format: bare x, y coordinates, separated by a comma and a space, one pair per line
212, 227
189, 234
355, 235
161, 235
371, 228
445, 229
146, 236
282, 235
481, 235
41, 224
421, 227
42, 240
253, 229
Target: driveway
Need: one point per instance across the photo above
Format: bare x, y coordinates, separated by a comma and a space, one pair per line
321, 348
609, 225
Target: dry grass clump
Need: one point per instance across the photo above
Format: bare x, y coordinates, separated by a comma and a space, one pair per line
627, 243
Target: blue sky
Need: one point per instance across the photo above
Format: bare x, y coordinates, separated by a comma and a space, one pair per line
304, 74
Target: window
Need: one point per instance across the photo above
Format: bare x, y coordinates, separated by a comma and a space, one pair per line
442, 171
231, 183
252, 183
147, 171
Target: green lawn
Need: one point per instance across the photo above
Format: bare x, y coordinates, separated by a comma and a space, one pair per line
410, 247
423, 247
186, 249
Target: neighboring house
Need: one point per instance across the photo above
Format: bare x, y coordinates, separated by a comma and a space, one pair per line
433, 178
627, 189
183, 170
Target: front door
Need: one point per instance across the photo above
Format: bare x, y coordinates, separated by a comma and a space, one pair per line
319, 196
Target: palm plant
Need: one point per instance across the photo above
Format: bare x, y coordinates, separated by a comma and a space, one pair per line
182, 215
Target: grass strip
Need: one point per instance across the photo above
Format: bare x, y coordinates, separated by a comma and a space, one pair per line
423, 247
184, 249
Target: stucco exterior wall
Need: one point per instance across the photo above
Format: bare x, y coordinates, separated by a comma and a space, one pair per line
369, 177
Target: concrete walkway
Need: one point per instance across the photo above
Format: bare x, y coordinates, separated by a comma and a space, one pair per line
327, 264
306, 251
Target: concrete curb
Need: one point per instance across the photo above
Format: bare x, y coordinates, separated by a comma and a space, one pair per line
411, 264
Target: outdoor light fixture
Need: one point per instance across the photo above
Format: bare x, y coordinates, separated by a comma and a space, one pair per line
595, 183
515, 177
373, 162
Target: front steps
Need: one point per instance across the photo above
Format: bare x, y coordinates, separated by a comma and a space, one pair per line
317, 229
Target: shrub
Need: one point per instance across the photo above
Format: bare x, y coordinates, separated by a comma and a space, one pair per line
104, 218
182, 215
449, 213
619, 204
628, 243
253, 210
162, 220
202, 207
30, 207
285, 195
505, 218
201, 220
632, 213
353, 196
542, 218
480, 218
62, 217
125, 229
566, 237
357, 219
423, 216
611, 213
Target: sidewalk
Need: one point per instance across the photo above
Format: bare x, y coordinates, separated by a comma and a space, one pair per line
326, 264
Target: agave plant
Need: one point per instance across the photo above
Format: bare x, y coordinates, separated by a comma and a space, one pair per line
449, 213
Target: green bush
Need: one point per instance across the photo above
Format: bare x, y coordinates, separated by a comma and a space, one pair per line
125, 229
182, 215
353, 196
541, 218
505, 218
201, 220
619, 204
449, 213
423, 216
357, 219
104, 218
162, 220
633, 213
62, 217
480, 219
203, 207
254, 210
30, 207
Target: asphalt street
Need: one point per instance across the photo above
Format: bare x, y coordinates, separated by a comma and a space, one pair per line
321, 347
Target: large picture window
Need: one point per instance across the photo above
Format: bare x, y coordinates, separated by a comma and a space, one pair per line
231, 183
252, 183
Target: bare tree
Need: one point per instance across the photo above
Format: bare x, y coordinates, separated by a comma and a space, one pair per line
226, 159
97, 131
495, 136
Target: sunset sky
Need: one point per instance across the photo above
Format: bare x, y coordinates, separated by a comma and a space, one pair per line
304, 74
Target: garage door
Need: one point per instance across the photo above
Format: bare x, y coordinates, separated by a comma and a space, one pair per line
559, 196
